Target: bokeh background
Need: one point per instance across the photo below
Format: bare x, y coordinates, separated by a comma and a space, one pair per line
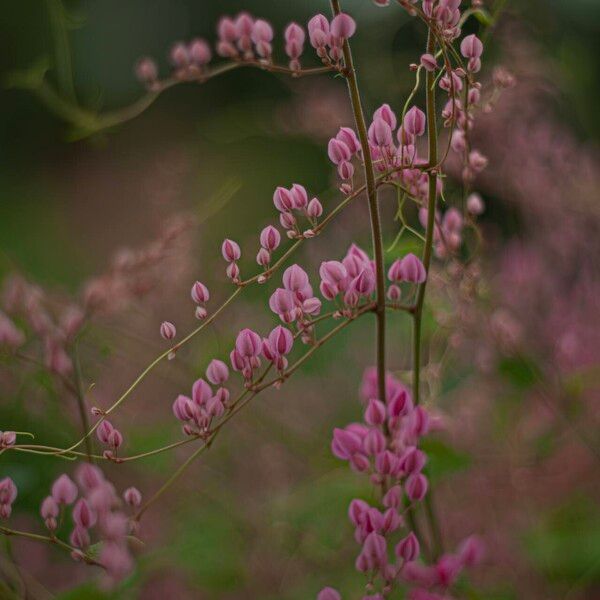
513, 347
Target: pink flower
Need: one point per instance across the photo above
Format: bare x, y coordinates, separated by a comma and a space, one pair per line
314, 209
416, 487
83, 515
64, 491
132, 496
475, 204
283, 199
380, 133
414, 122
217, 372
318, 31
412, 269
408, 548
167, 330
295, 279
200, 293
8, 494
146, 70
201, 392
385, 113
281, 340
428, 62
328, 593
299, 195
338, 151
199, 52
343, 26
375, 412
270, 238
248, 343
471, 47
230, 250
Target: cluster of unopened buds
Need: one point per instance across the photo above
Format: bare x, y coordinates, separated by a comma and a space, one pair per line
247, 39
385, 447
97, 512
295, 200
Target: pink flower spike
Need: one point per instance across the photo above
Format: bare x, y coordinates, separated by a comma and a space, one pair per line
414, 122
270, 238
471, 47
343, 26
412, 269
217, 372
200, 293
328, 593
64, 491
230, 250
132, 496
167, 330
408, 549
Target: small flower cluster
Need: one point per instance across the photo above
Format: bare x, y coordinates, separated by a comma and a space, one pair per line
400, 162
110, 436
295, 301
295, 200
385, 447
196, 412
30, 303
96, 511
246, 38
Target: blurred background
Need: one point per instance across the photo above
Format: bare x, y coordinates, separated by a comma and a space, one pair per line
513, 343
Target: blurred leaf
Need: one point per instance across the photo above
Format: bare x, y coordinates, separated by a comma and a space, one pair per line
484, 17
522, 372
30, 78
565, 545
442, 459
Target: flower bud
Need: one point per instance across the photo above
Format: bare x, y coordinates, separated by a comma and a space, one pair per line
343, 26
230, 251
248, 343
338, 151
394, 293
217, 372
416, 487
412, 269
471, 47
414, 122
281, 340
64, 491
385, 113
375, 412
146, 70
295, 278
270, 238
83, 515
408, 548
200, 293
199, 52
314, 209
263, 257
299, 195
132, 496
328, 593
167, 330
428, 62
475, 204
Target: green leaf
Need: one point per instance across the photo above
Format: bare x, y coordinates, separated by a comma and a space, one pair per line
443, 459
484, 17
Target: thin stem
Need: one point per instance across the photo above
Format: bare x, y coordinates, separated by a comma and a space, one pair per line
427, 252
371, 186
80, 397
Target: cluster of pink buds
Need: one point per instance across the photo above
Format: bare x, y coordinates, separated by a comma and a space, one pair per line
295, 200
231, 253
408, 269
385, 447
270, 238
295, 301
328, 38
447, 232
96, 506
30, 302
352, 279
110, 436
8, 494
196, 413
200, 295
